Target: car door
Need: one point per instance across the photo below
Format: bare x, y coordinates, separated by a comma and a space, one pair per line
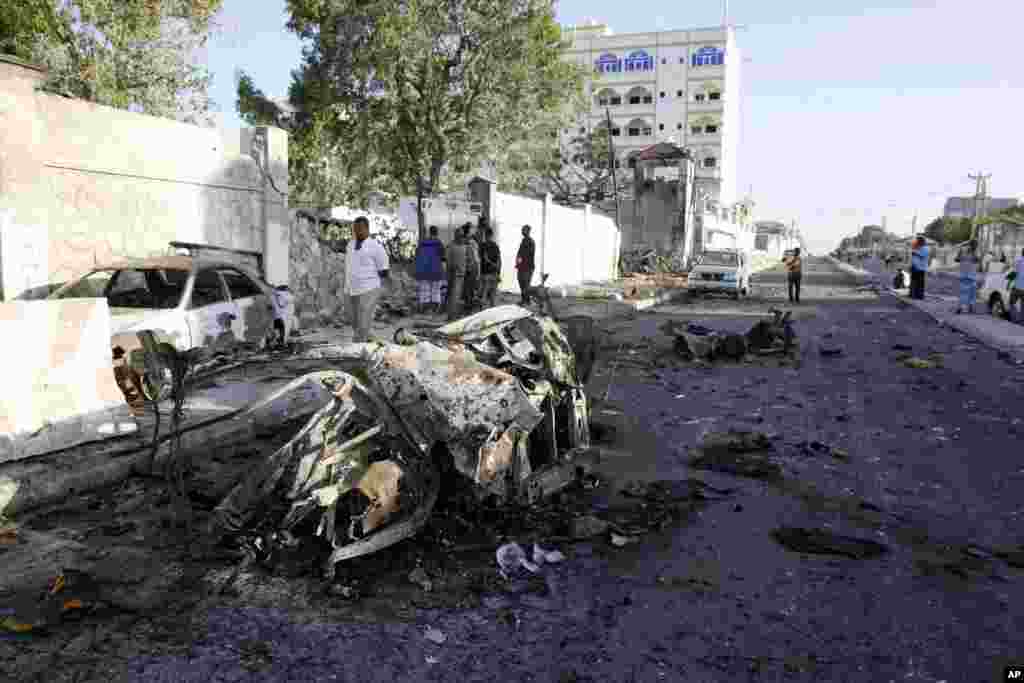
255, 309
213, 318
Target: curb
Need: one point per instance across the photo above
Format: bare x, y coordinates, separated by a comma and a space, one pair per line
1014, 351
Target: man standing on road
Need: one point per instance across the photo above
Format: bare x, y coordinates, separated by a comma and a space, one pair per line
490, 267
794, 273
918, 268
472, 283
456, 254
366, 266
1017, 290
968, 260
525, 264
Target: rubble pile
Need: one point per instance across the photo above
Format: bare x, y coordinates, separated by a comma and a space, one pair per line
773, 336
648, 261
494, 400
398, 297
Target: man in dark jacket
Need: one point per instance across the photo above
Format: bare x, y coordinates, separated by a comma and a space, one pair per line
525, 264
490, 267
430, 271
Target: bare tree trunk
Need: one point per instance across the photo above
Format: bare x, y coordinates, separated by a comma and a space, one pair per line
421, 219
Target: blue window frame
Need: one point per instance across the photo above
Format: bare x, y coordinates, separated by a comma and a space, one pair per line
608, 63
639, 61
708, 56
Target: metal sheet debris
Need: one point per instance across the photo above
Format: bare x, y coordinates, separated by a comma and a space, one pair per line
495, 395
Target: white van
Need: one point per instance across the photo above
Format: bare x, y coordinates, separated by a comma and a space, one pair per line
720, 271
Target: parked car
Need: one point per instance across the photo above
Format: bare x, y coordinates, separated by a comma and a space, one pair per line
724, 271
994, 291
185, 302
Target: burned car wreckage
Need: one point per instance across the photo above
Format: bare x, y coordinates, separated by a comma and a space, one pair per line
494, 401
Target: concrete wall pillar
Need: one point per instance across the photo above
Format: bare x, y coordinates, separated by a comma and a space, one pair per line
546, 212
583, 242
270, 145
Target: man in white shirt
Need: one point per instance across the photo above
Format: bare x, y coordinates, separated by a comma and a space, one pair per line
366, 266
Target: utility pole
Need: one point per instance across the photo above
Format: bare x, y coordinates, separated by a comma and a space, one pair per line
980, 194
611, 165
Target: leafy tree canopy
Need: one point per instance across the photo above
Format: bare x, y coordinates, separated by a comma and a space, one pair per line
413, 94
129, 54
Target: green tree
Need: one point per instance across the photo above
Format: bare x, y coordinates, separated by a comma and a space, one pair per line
936, 229
949, 229
427, 89
957, 230
129, 54
564, 165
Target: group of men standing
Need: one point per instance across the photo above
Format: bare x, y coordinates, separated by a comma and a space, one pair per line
470, 266
465, 274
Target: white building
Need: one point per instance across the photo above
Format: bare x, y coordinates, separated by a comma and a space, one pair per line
666, 86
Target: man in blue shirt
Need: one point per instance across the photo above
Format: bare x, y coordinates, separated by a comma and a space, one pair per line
918, 268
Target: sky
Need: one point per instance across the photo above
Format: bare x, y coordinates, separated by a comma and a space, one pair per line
853, 113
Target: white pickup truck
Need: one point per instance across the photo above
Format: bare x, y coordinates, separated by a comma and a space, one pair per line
720, 271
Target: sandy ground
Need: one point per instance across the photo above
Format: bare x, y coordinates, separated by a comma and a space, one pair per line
925, 462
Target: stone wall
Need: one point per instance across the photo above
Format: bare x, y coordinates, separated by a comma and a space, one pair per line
81, 184
317, 274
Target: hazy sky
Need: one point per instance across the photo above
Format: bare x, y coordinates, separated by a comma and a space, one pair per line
850, 111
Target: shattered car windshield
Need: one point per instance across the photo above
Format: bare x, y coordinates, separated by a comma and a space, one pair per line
146, 288
718, 258
91, 286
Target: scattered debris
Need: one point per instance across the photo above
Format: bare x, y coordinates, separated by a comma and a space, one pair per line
587, 526
619, 541
772, 335
435, 636
823, 542
419, 577
696, 342
921, 363
819, 448
541, 556
737, 453
1012, 556
345, 591
829, 350
511, 557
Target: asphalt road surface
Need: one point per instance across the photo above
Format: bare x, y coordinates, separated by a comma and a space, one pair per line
925, 461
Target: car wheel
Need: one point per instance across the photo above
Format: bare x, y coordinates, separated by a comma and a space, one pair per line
997, 308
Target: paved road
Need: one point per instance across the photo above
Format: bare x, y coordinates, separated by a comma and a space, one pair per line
933, 467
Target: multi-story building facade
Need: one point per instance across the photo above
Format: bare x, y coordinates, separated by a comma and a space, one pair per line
667, 86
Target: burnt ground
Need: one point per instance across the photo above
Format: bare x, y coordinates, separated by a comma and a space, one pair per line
923, 461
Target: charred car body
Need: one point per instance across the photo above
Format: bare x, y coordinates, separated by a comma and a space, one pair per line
494, 400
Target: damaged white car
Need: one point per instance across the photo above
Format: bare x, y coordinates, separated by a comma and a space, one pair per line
495, 399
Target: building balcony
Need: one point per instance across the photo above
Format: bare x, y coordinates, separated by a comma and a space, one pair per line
704, 138
702, 173
707, 106
703, 72
631, 110
633, 142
